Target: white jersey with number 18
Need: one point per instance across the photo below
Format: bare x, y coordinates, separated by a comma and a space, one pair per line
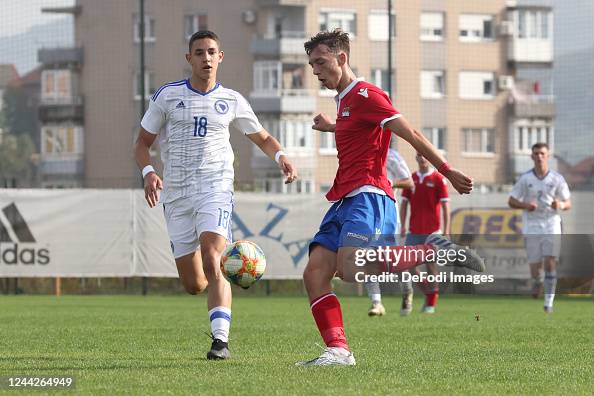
193, 129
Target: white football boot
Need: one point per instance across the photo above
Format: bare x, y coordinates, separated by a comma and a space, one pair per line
332, 356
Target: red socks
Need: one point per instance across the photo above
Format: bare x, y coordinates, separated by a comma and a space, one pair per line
328, 316
431, 299
431, 292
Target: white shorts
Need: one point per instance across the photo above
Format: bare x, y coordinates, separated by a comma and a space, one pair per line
188, 217
540, 246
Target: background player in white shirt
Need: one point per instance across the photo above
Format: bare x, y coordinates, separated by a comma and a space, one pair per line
192, 119
400, 176
541, 193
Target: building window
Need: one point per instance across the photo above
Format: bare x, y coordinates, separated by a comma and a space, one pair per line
149, 85
343, 19
477, 85
149, 29
194, 23
378, 25
534, 24
432, 26
432, 84
327, 143
379, 78
57, 140
475, 28
267, 77
437, 136
56, 85
295, 134
478, 140
291, 134
527, 134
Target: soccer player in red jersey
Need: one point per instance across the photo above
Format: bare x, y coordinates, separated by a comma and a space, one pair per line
364, 207
427, 199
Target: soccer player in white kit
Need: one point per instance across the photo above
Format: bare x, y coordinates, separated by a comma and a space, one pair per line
192, 119
541, 193
400, 176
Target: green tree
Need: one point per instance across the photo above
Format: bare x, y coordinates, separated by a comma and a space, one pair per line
19, 114
17, 147
17, 166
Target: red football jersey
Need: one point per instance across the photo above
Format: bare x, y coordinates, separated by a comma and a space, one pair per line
425, 202
361, 141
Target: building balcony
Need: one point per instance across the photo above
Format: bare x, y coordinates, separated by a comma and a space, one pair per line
283, 101
533, 106
62, 164
52, 109
52, 56
530, 50
288, 46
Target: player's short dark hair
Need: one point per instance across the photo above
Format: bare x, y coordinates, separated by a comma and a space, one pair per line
202, 34
336, 40
540, 145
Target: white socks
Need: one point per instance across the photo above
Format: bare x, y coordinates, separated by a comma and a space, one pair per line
550, 284
220, 322
373, 291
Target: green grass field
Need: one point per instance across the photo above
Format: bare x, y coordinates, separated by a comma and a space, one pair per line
157, 345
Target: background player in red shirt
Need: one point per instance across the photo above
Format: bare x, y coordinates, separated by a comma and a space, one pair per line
364, 201
427, 199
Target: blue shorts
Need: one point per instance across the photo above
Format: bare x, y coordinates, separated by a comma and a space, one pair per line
364, 220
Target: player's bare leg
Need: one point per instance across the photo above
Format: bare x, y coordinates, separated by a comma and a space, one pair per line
550, 282
189, 268
319, 271
535, 274
325, 308
219, 293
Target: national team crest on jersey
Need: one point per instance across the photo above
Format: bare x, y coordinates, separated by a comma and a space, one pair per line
346, 111
221, 107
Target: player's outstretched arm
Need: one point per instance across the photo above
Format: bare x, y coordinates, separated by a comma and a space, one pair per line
517, 204
152, 182
403, 183
323, 123
272, 148
399, 126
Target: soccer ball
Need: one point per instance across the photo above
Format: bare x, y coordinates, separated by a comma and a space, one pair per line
243, 263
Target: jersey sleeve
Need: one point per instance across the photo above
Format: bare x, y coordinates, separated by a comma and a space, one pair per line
400, 168
245, 119
378, 108
519, 189
155, 117
563, 190
442, 190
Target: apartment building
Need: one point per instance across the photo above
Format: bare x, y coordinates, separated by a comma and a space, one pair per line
529, 28
474, 76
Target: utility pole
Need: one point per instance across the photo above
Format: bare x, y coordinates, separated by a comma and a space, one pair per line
142, 87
